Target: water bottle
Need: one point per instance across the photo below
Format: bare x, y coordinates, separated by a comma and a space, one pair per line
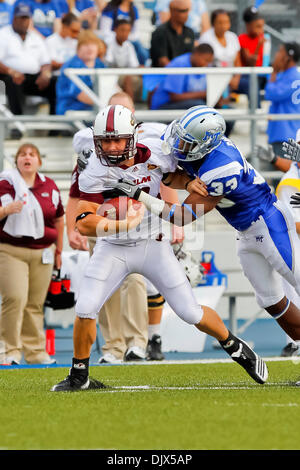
267, 50
50, 342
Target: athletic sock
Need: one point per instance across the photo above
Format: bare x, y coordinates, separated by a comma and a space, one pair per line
153, 330
231, 344
80, 368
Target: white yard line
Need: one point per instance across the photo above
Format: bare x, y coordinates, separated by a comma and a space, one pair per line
198, 361
153, 388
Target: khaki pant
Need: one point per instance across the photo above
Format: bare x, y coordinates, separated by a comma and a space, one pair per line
123, 319
24, 283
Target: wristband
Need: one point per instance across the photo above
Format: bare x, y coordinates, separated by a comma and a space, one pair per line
57, 252
83, 215
171, 213
152, 203
186, 206
274, 160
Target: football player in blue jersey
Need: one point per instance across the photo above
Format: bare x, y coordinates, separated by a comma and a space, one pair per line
268, 245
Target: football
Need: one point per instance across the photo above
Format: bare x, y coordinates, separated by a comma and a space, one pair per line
116, 208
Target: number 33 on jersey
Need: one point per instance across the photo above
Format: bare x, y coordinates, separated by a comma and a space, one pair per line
226, 172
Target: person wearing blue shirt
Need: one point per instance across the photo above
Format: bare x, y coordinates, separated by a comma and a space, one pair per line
70, 96
184, 91
46, 15
79, 6
6, 13
281, 91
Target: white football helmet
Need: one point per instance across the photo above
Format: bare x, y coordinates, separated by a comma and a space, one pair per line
115, 122
196, 133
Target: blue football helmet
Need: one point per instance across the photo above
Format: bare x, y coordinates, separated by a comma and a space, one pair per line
196, 133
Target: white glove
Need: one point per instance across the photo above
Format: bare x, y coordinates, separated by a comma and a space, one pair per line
267, 155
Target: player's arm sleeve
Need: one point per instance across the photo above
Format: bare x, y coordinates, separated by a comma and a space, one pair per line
74, 191
83, 139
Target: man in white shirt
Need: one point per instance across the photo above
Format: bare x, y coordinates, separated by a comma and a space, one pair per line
24, 62
121, 54
62, 45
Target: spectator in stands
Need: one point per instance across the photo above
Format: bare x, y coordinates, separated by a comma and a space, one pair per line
121, 53
46, 15
6, 11
118, 9
25, 66
198, 18
102, 50
31, 235
172, 38
184, 91
284, 97
62, 45
69, 95
87, 11
224, 42
252, 49
252, 41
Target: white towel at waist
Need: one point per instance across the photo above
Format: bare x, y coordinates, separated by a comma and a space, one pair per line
30, 221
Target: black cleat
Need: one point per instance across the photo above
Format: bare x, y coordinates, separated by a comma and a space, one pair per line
251, 362
74, 384
135, 353
154, 349
291, 349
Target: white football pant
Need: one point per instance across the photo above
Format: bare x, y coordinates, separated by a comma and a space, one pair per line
111, 263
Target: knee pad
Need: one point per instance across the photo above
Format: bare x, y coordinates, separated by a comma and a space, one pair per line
155, 301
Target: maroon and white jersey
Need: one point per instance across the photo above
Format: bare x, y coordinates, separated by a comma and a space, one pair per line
149, 134
146, 172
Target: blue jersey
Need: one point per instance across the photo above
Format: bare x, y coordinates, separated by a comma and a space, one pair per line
226, 172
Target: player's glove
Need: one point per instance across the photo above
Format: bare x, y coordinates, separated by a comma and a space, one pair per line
295, 200
291, 150
127, 188
267, 155
82, 159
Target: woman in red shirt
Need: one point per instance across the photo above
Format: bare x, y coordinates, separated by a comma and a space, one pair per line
31, 240
252, 47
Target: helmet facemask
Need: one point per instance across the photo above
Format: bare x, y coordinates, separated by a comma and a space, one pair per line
115, 157
185, 147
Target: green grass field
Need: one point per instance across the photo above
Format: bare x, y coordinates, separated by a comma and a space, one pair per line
181, 406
